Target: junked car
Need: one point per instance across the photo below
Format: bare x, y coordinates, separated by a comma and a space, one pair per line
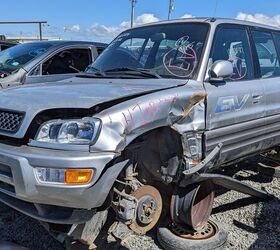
6, 44
141, 132
46, 61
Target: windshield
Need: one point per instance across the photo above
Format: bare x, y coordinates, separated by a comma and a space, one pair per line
170, 51
15, 57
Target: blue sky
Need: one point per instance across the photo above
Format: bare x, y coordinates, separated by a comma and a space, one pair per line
103, 19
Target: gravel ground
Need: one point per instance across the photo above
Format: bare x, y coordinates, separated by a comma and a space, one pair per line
251, 224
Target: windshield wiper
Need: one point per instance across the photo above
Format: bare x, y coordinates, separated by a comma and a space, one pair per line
134, 71
89, 75
96, 71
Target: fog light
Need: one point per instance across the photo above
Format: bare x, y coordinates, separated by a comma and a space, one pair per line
64, 176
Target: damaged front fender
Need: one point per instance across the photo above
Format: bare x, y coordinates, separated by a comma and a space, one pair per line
181, 108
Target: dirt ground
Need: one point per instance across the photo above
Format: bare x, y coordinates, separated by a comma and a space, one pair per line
251, 223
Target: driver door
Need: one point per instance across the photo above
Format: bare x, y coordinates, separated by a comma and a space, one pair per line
236, 106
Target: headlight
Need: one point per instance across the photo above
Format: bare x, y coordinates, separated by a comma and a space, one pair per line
82, 131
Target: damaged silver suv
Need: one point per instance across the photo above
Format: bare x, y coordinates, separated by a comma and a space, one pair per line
141, 132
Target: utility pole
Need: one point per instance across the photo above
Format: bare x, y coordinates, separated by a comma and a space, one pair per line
170, 9
40, 32
133, 2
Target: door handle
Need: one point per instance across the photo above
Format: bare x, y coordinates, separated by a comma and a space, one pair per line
257, 97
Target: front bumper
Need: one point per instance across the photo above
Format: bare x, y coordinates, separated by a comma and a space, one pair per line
19, 187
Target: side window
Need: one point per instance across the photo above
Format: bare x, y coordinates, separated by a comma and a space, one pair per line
3, 47
267, 55
100, 50
232, 44
67, 62
277, 40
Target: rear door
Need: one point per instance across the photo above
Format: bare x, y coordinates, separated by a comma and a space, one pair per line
266, 44
234, 106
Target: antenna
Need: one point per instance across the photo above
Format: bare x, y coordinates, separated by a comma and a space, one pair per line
133, 2
170, 9
216, 6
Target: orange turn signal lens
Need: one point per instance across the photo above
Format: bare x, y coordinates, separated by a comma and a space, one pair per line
78, 176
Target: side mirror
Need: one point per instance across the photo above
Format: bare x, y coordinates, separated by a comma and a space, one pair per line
220, 70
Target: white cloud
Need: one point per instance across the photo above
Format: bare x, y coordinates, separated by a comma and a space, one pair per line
111, 31
103, 30
143, 19
187, 16
259, 18
146, 18
75, 28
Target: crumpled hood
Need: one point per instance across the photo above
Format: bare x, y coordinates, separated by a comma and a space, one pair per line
73, 93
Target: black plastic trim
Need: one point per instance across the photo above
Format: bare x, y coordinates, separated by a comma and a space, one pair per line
47, 213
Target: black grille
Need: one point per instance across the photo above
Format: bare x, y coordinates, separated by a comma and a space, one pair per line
10, 121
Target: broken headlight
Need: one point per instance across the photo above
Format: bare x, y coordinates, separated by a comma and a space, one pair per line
80, 131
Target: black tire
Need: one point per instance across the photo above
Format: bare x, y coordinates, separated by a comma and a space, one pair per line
170, 241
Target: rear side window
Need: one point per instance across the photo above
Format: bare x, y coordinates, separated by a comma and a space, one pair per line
232, 44
100, 50
267, 54
3, 47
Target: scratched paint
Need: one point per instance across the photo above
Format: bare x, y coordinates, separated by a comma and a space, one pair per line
180, 108
143, 113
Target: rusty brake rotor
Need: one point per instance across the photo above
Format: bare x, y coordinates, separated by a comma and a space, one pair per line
148, 209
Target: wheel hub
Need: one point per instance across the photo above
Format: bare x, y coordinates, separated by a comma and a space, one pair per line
191, 206
148, 209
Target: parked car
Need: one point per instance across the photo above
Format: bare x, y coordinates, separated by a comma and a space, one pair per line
142, 130
46, 61
6, 44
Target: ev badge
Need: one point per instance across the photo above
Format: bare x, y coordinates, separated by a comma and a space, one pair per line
230, 103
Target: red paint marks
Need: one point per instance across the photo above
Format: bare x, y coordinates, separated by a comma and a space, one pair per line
143, 113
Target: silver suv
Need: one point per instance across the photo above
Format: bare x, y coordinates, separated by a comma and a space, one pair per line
142, 131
